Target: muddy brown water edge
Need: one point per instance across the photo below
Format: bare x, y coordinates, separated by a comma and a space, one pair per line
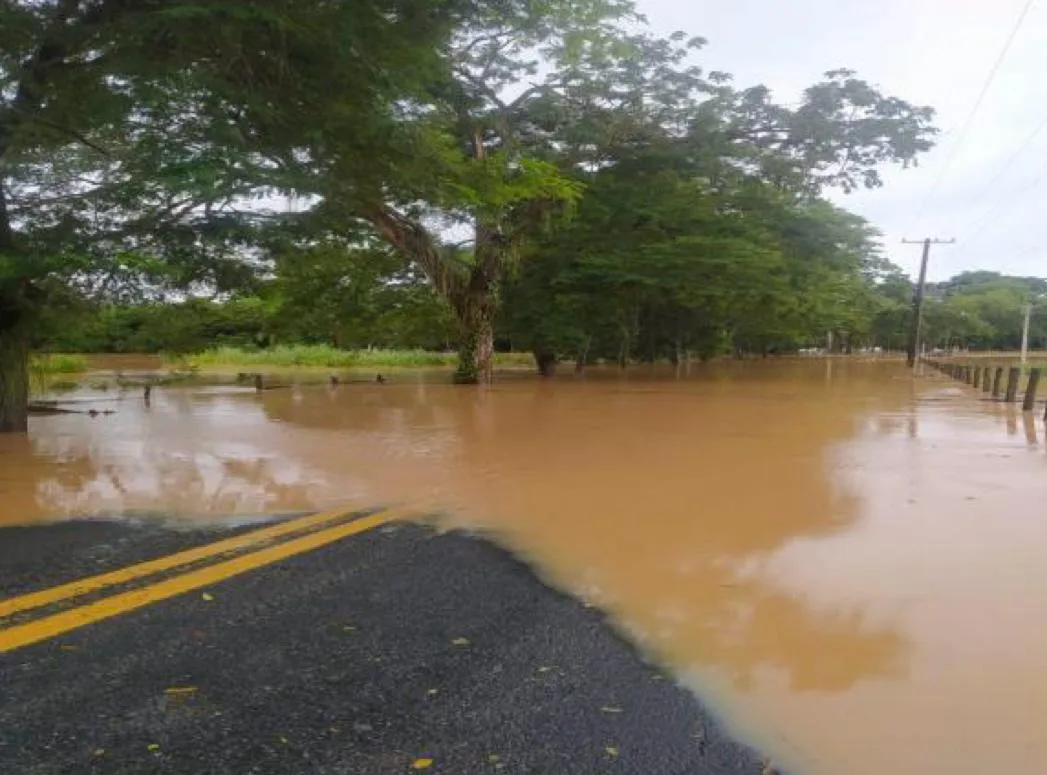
846, 560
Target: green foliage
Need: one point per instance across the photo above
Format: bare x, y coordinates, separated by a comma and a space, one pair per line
985, 310
618, 200
662, 262
151, 328
348, 297
325, 356
57, 363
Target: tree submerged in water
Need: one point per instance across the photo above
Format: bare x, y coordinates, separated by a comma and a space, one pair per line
601, 185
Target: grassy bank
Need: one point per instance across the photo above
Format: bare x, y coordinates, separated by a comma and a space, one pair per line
52, 363
327, 357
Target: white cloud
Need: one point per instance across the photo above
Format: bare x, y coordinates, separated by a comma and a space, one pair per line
931, 52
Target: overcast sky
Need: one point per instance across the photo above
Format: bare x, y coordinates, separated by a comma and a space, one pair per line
930, 52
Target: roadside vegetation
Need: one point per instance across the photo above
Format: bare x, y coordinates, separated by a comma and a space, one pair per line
325, 356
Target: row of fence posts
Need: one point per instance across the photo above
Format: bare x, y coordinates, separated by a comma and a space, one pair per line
990, 380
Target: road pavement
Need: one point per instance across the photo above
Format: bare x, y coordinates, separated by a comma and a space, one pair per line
391, 649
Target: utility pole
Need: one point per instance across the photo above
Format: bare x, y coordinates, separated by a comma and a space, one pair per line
916, 329
1025, 332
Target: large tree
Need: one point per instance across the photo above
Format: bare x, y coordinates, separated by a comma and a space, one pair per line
538, 97
133, 131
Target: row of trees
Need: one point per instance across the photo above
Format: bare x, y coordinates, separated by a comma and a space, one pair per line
986, 310
544, 152
568, 310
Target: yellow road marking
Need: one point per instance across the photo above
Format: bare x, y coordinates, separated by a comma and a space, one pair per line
132, 572
56, 624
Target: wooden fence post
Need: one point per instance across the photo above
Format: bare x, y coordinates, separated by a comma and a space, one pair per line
996, 382
1030, 391
1013, 375
986, 381
977, 381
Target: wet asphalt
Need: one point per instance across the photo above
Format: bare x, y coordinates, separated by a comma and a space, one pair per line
398, 650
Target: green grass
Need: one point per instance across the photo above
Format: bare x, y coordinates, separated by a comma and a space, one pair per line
57, 364
325, 356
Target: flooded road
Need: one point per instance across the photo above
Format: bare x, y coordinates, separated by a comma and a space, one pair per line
848, 563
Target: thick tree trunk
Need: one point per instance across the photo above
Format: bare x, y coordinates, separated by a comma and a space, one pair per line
14, 378
473, 293
14, 334
546, 362
476, 351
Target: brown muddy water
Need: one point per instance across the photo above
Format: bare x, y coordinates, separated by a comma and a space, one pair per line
849, 563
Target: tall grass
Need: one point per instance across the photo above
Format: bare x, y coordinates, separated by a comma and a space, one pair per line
49, 363
45, 368
325, 356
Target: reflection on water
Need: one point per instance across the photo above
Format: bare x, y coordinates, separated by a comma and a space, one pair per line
848, 562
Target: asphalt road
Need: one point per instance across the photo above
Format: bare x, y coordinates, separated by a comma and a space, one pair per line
396, 650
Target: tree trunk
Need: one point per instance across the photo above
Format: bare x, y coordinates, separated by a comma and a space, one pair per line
476, 351
546, 362
473, 294
624, 346
582, 359
14, 378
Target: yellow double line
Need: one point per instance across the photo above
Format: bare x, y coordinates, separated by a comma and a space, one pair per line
19, 635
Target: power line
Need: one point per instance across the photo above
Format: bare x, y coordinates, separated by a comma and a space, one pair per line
966, 126
1001, 172
1002, 204
973, 233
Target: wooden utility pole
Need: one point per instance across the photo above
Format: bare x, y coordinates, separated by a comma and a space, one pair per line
916, 328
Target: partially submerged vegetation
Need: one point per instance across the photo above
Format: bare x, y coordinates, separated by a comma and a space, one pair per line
325, 356
57, 363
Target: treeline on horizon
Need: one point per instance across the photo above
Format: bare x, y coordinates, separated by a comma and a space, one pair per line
349, 301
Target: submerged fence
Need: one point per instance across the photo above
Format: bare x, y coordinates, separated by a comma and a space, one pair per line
1000, 382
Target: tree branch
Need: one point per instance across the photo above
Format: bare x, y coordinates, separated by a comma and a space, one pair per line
414, 243
75, 135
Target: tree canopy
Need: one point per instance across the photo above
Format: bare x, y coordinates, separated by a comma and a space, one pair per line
549, 172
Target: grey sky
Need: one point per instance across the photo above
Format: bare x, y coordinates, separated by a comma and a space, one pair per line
931, 52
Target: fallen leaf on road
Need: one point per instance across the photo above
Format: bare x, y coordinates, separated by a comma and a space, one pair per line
153, 747
176, 691
494, 758
207, 596
349, 628
544, 669
460, 642
610, 709
283, 740
422, 764
69, 648
99, 752
433, 692
611, 750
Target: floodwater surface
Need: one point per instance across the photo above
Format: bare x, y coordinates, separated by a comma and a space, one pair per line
849, 563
